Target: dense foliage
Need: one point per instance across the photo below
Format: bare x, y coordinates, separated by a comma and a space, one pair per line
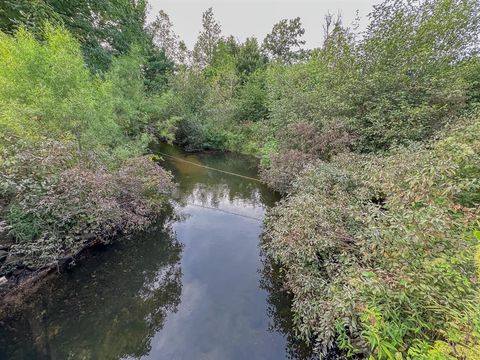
373, 138
380, 253
72, 169
105, 29
59, 201
411, 72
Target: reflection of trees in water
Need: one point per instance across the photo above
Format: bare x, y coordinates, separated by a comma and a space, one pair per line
215, 195
232, 191
279, 310
112, 313
210, 187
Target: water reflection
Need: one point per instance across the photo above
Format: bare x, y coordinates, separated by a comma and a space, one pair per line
279, 311
197, 290
223, 312
110, 312
229, 315
208, 187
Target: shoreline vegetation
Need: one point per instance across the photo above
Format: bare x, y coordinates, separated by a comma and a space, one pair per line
373, 139
73, 169
382, 254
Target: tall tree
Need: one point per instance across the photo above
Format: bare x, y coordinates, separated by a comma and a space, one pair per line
208, 39
163, 35
249, 57
16, 13
157, 70
184, 55
285, 42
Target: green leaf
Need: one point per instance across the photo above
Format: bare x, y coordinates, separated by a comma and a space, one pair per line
476, 233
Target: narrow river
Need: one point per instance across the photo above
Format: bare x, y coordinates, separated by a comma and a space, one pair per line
195, 289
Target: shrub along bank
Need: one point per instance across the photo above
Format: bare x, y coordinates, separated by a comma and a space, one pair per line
381, 254
72, 169
414, 69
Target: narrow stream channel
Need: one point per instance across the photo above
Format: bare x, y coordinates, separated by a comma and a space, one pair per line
197, 289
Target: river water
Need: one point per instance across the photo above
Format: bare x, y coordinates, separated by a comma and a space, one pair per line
194, 287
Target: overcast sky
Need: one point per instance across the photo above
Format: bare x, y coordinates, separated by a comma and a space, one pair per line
257, 17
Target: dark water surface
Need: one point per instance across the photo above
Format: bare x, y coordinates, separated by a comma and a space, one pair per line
197, 289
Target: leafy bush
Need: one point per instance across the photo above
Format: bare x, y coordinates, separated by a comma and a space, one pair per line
400, 82
48, 82
332, 138
284, 168
410, 58
379, 253
60, 200
71, 164
190, 135
46, 91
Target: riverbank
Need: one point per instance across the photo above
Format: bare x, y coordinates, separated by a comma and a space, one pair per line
19, 283
200, 280
364, 239
381, 253
57, 203
19, 280
73, 169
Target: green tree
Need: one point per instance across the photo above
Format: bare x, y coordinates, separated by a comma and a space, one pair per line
208, 39
161, 29
411, 80
251, 101
157, 70
104, 28
249, 58
46, 91
284, 43
30, 14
